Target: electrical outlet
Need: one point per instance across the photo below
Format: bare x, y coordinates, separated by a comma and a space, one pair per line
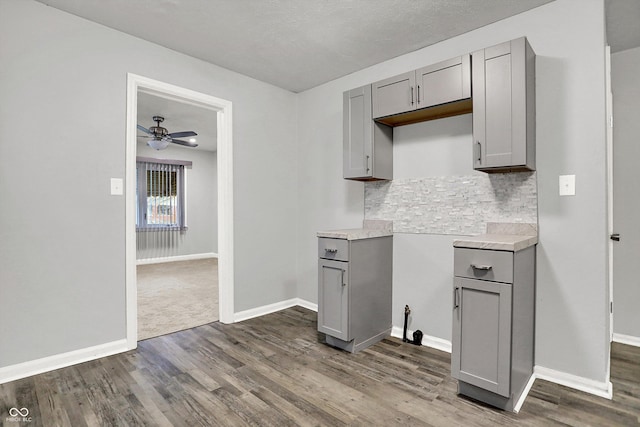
567, 185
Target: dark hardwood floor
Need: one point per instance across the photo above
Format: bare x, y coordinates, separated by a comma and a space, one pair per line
273, 370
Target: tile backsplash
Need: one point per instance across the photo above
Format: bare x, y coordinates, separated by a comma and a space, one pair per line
460, 205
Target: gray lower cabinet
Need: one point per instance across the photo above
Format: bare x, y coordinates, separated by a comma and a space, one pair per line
367, 145
354, 291
493, 324
504, 107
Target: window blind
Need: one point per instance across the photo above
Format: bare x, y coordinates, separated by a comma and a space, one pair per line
160, 194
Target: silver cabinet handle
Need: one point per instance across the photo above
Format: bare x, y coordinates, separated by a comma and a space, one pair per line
456, 297
331, 251
481, 267
418, 94
342, 278
479, 151
411, 95
368, 168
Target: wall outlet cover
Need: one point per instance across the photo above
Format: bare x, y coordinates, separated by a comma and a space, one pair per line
116, 187
567, 185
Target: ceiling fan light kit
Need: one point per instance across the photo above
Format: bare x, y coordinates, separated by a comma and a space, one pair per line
158, 143
160, 137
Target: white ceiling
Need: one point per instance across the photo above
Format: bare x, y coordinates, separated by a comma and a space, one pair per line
623, 24
179, 117
295, 44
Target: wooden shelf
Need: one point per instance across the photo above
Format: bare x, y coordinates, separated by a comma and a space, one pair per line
456, 108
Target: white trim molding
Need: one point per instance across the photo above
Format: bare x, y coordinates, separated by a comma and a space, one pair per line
272, 308
525, 393
222, 111
602, 389
191, 257
626, 339
57, 361
427, 340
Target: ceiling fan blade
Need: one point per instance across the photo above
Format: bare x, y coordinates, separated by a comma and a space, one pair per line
185, 143
182, 134
144, 129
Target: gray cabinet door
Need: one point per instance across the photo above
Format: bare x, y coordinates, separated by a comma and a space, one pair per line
333, 298
504, 106
394, 95
481, 353
357, 133
444, 82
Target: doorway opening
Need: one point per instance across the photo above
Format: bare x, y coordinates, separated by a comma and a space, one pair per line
220, 111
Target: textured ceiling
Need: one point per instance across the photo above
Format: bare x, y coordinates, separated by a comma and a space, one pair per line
295, 44
178, 117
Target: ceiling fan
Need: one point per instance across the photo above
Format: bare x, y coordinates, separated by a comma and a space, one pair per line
160, 137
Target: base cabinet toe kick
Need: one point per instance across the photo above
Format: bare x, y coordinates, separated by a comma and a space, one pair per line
493, 324
354, 291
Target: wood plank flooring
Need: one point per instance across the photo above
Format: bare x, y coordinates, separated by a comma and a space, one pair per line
274, 371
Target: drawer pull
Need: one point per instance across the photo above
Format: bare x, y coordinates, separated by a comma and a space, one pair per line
331, 251
481, 267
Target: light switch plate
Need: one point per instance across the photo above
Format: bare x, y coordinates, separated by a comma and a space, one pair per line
116, 186
567, 185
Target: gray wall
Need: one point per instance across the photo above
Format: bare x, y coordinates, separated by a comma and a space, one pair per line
568, 37
62, 126
625, 80
202, 206
433, 160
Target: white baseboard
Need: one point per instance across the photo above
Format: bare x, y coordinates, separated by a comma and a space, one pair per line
602, 389
524, 394
627, 339
308, 305
427, 340
191, 257
272, 308
57, 361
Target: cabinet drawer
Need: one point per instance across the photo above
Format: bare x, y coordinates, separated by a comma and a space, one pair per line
496, 266
337, 249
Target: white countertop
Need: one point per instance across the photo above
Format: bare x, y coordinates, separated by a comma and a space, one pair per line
355, 233
497, 242
502, 236
370, 228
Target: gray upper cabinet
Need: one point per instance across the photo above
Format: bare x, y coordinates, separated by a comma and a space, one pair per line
367, 145
394, 95
432, 92
445, 82
504, 107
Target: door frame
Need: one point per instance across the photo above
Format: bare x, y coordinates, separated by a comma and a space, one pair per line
610, 246
223, 110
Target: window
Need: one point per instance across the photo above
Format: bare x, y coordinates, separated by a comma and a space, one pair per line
160, 194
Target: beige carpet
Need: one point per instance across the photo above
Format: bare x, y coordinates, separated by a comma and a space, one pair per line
176, 295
